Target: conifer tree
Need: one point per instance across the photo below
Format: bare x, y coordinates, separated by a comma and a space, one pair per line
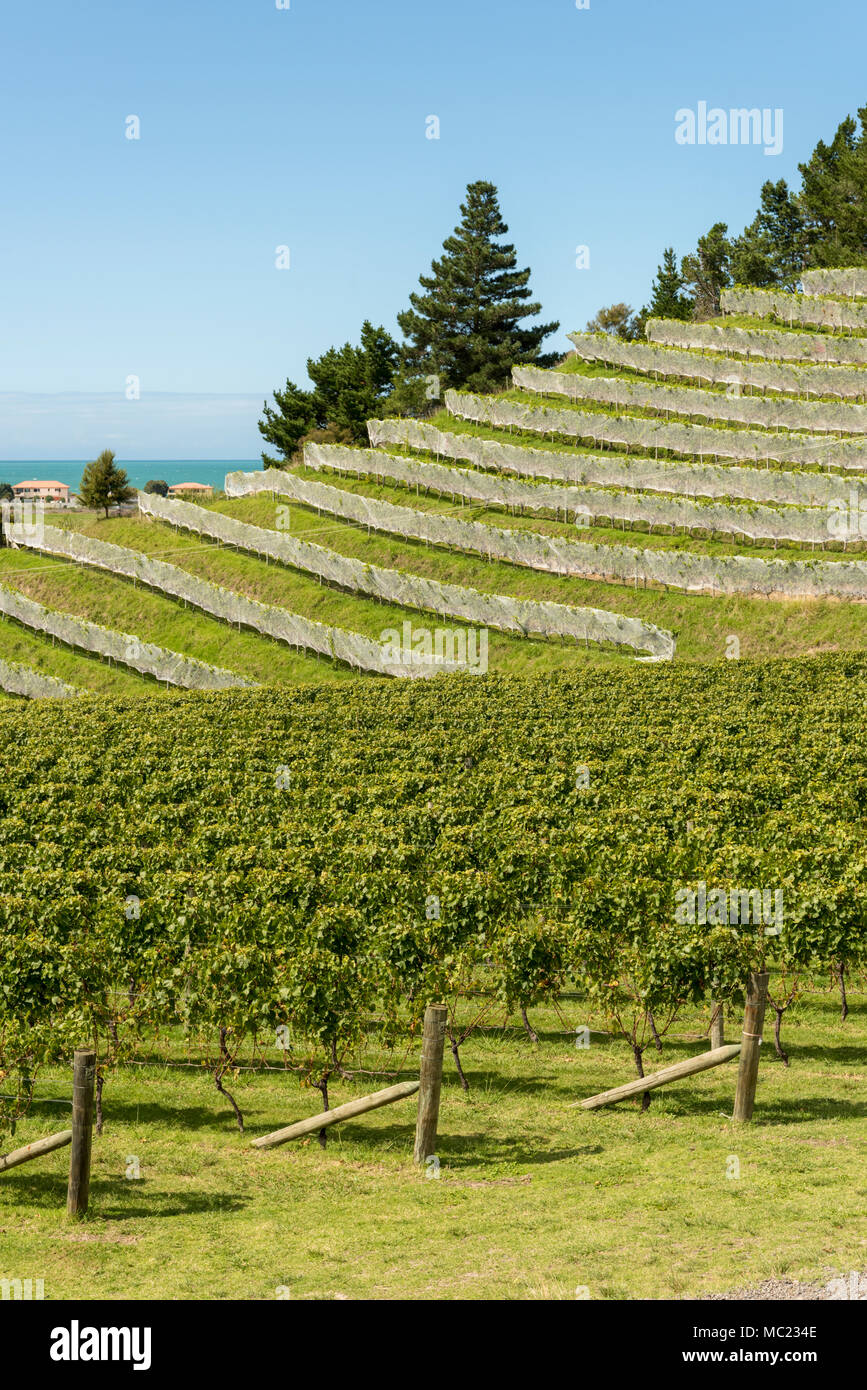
103, 484
349, 385
706, 272
467, 325
666, 298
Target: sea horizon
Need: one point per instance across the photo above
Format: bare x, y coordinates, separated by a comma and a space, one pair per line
210, 472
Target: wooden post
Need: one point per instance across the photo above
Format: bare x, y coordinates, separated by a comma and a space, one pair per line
430, 1081
748, 1071
83, 1075
717, 1024
675, 1072
333, 1117
35, 1150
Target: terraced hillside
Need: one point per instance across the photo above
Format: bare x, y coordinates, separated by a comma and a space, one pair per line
693, 497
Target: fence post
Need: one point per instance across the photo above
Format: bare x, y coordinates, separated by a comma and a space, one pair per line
83, 1076
717, 1024
748, 1071
430, 1081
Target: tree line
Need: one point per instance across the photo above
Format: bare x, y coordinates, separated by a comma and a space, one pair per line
473, 316
820, 224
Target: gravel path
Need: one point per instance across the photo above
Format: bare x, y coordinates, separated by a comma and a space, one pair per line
849, 1286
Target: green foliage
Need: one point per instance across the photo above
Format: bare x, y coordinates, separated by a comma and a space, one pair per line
772, 250
706, 272
667, 300
616, 319
467, 327
833, 197
157, 486
349, 386
103, 484
821, 223
428, 843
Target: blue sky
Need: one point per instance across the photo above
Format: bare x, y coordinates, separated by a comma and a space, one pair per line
260, 127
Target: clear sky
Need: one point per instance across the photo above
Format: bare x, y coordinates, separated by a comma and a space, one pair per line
306, 127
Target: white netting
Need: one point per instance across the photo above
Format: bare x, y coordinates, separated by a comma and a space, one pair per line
647, 433
849, 282
679, 569
809, 525
280, 623
122, 647
769, 412
760, 342
410, 591
616, 470
23, 680
816, 380
793, 308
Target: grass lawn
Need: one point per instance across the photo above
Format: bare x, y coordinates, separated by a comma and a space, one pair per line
534, 1198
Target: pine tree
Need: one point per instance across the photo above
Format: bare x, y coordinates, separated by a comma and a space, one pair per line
833, 196
349, 386
467, 327
285, 423
772, 250
666, 299
706, 272
103, 484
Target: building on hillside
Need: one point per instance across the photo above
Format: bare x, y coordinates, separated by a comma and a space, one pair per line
190, 490
40, 490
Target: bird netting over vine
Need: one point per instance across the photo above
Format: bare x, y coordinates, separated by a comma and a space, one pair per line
302, 633
807, 489
408, 590
648, 433
679, 569
816, 379
793, 308
123, 647
762, 342
851, 282
813, 525
16, 679
768, 412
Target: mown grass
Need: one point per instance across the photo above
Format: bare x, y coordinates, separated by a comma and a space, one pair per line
534, 1198
87, 673
702, 541
702, 623
118, 603
276, 584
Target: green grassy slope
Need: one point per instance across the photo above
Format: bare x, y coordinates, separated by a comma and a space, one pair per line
701, 622
272, 583
86, 673
117, 603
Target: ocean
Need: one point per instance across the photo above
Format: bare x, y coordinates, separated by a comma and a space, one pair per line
212, 472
